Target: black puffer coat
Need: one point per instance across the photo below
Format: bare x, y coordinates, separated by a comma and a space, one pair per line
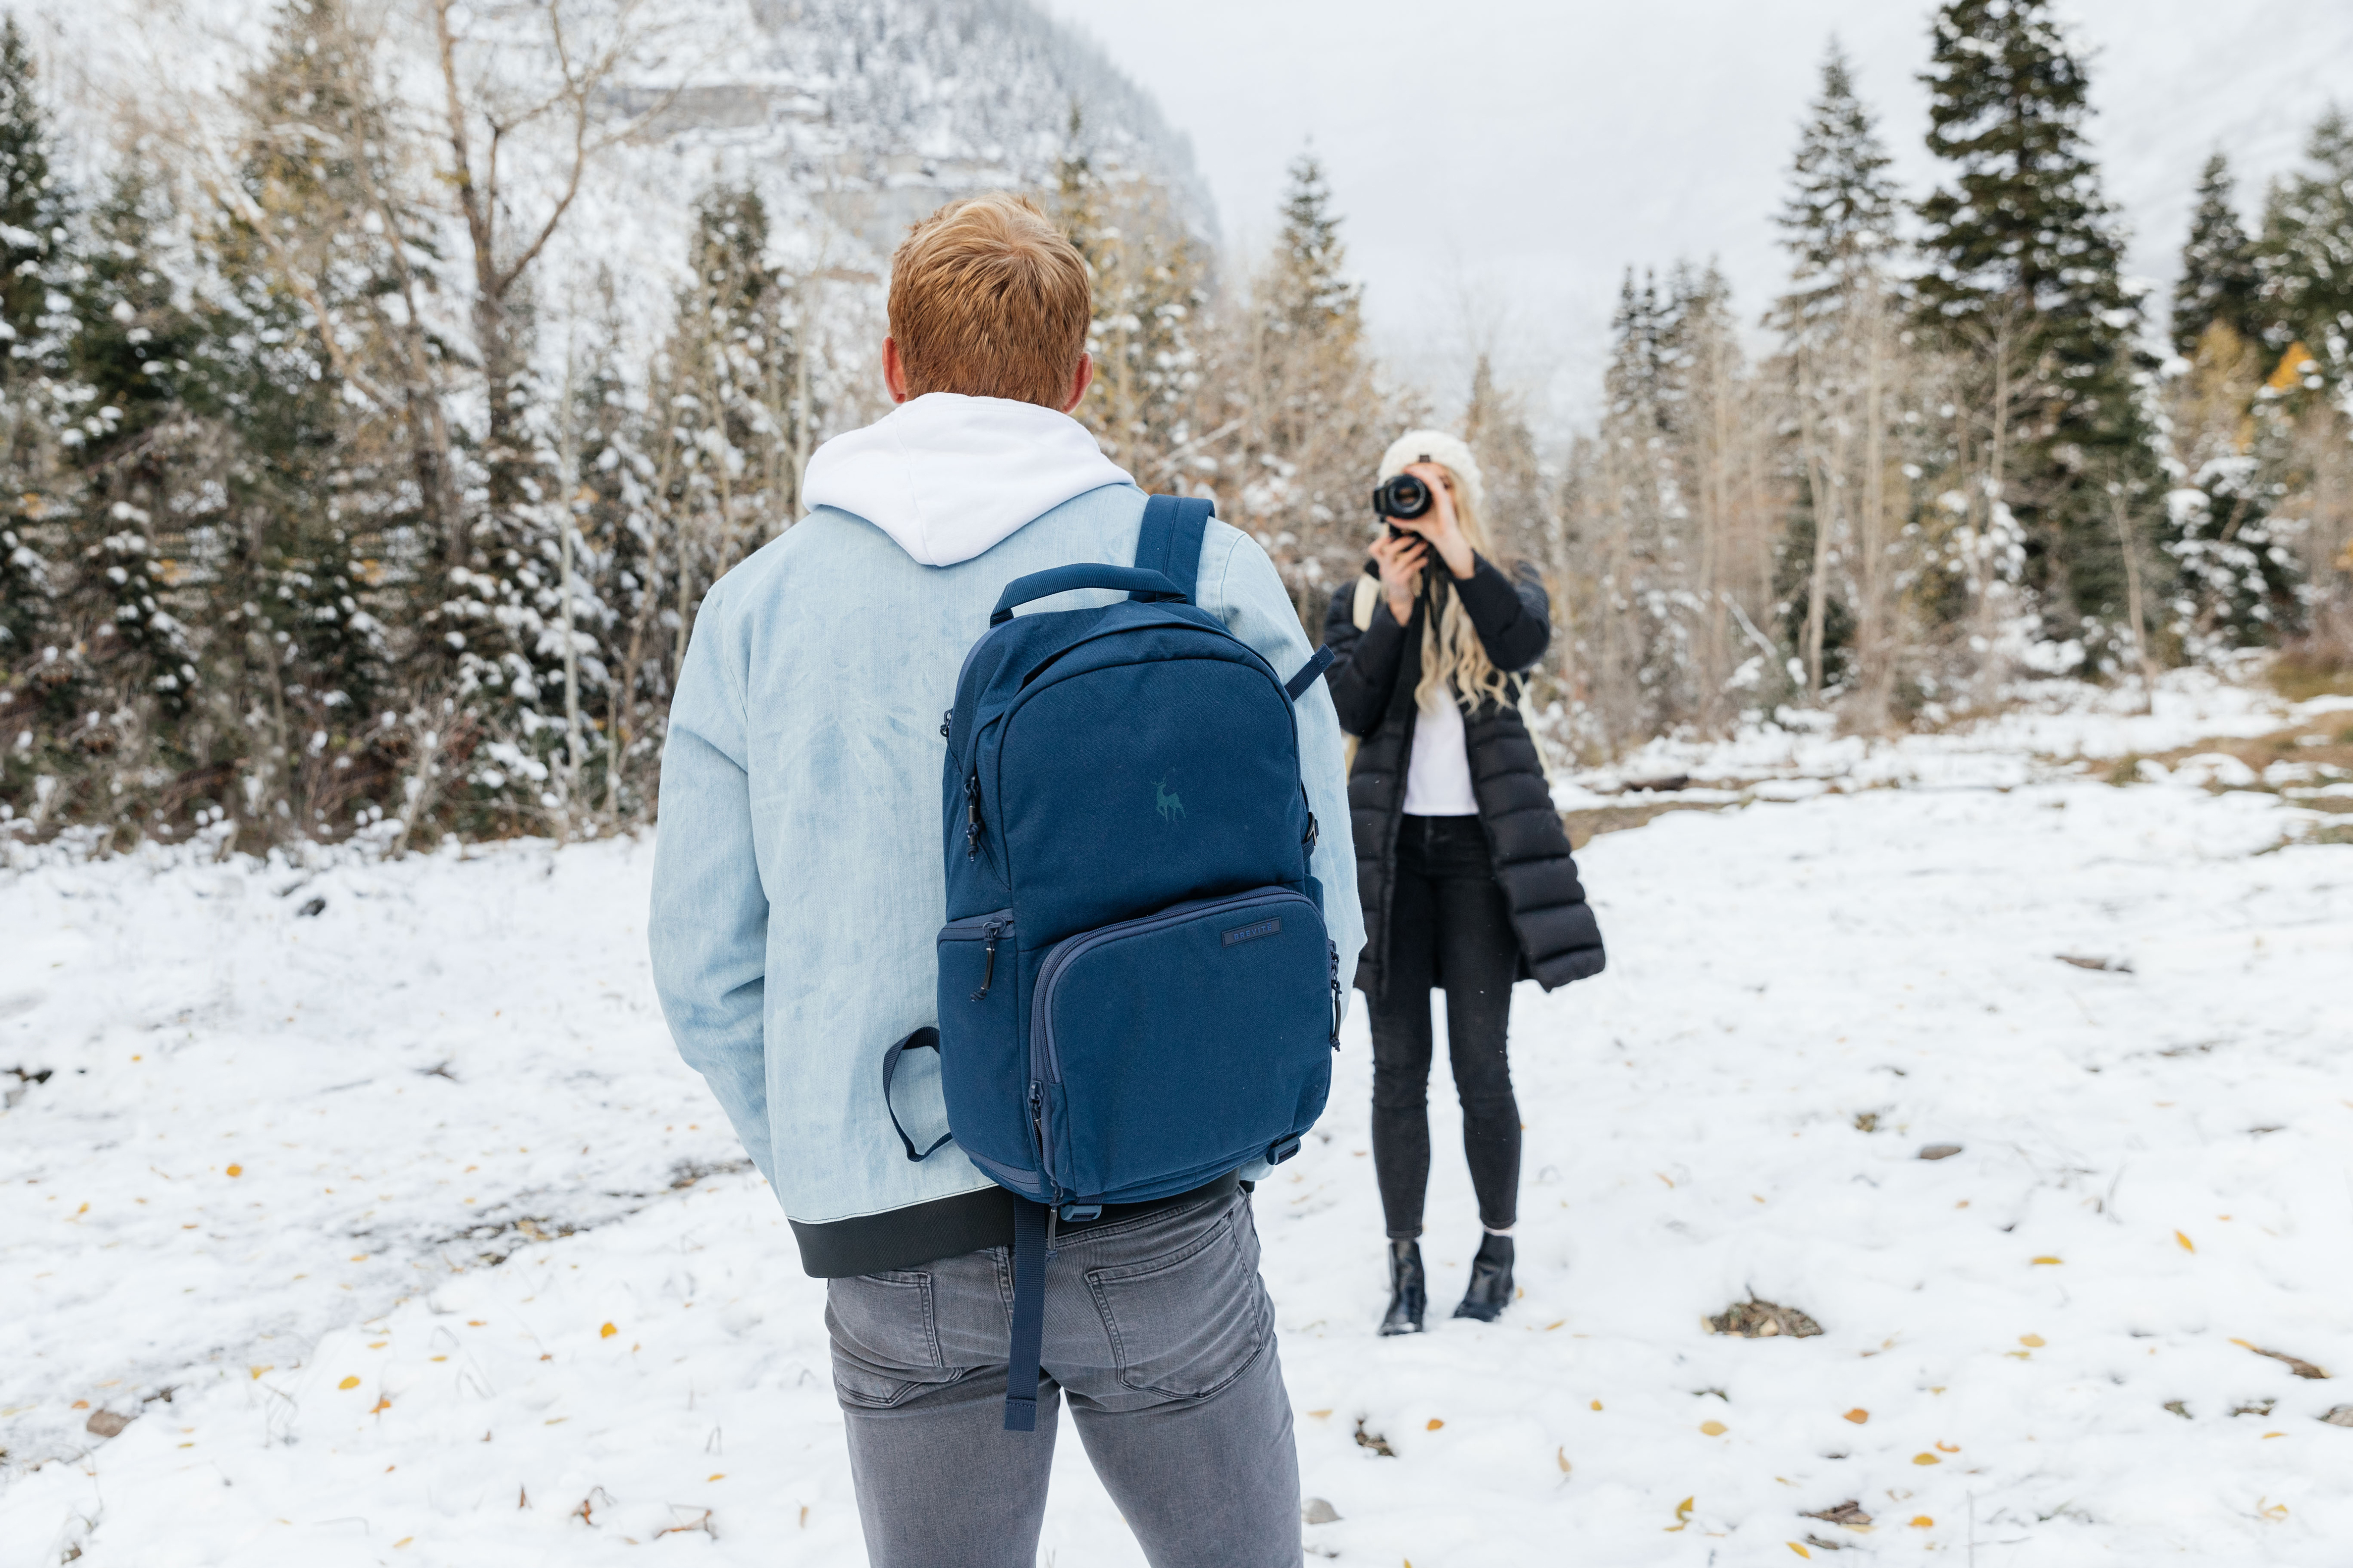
1372, 682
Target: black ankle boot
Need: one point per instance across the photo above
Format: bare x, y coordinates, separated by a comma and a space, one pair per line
1491, 1280
1409, 1296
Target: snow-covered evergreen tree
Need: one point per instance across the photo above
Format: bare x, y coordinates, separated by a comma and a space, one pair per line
2306, 255
1843, 373
1150, 286
32, 217
1838, 219
2022, 276
2219, 277
1294, 420
2231, 435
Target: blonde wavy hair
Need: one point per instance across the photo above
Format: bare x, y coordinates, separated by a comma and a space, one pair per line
1450, 648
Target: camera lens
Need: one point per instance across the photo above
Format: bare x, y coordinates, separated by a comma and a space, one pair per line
1402, 495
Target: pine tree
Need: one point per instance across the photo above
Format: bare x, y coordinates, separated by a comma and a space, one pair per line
1293, 405
2219, 277
310, 527
1308, 293
1668, 515
34, 213
1840, 373
1149, 283
1838, 221
32, 217
724, 395
2022, 278
2235, 584
2306, 257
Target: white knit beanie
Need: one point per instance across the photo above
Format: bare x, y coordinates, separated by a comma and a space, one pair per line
1435, 447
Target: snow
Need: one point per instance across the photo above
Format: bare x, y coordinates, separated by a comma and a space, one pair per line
2152, 1185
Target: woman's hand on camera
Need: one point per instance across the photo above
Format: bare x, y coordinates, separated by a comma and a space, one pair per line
1438, 525
1400, 560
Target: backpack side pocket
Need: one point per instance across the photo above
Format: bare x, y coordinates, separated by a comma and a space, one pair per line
983, 1047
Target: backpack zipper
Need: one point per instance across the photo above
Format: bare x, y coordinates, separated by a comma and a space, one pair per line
988, 963
1037, 1130
1334, 948
972, 814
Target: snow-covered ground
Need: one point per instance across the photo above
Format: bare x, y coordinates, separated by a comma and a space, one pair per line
276, 1154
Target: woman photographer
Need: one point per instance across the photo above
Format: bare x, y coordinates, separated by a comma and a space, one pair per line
1462, 861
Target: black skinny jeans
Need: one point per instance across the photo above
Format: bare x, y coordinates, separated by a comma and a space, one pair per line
1449, 925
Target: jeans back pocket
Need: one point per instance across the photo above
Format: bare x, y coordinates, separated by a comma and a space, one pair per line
886, 1337
1188, 1322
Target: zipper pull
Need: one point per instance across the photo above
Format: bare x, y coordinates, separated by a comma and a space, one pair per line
972, 814
1334, 948
1052, 1212
946, 718
988, 967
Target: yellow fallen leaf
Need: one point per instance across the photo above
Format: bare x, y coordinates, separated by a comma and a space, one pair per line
720, 1476
2032, 1341
2187, 1246
1434, 1425
260, 1369
1597, 1404
1321, 1415
2046, 1258
81, 1404
607, 1331
1554, 1324
1560, 1457
1927, 1460
383, 1403
2274, 1434
1800, 1551
402, 1542
1684, 1509
236, 1170
2270, 1510
1858, 1415
1920, 1521
480, 1322
1712, 1428
349, 1383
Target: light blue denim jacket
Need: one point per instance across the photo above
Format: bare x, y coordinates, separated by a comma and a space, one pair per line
797, 884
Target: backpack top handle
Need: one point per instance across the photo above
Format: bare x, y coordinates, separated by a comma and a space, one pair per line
1140, 584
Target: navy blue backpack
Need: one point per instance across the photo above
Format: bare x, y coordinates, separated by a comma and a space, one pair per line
1136, 991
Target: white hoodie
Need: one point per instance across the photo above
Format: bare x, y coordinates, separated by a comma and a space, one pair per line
948, 476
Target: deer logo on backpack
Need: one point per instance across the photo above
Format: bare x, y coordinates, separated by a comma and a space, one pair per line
1170, 804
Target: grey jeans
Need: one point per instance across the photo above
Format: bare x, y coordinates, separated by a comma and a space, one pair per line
1158, 1330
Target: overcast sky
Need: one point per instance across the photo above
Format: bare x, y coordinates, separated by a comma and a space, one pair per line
1500, 162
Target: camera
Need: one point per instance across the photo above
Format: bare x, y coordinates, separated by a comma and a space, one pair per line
1400, 495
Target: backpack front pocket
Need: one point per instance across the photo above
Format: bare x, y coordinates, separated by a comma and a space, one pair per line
983, 1047
1183, 1045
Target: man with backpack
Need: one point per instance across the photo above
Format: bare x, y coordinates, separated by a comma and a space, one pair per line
874, 926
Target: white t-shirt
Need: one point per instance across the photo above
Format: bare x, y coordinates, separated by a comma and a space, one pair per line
1437, 778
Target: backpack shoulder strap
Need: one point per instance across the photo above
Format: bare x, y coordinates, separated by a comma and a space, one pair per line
1368, 596
1170, 541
